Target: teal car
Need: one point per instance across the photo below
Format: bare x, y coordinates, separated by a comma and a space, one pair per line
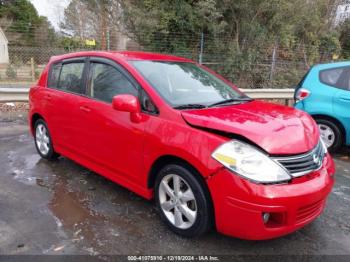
324, 93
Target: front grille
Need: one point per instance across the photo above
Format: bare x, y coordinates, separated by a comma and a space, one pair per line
302, 164
309, 211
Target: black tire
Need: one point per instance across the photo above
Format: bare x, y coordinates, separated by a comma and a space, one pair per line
204, 218
338, 138
51, 154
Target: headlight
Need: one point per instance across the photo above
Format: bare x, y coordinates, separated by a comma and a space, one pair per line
325, 149
249, 162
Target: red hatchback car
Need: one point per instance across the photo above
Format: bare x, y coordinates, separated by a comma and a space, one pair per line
168, 128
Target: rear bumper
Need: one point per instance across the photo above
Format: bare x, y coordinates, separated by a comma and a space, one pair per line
240, 204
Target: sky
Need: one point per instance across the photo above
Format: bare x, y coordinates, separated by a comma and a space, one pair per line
52, 9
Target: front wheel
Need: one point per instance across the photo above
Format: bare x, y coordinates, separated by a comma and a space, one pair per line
182, 201
331, 134
43, 142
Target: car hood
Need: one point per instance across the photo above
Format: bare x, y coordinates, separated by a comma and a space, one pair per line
279, 130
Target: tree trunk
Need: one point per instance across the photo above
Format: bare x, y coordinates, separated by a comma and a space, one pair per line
103, 30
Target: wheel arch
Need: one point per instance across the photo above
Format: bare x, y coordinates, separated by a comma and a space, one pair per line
164, 160
35, 117
334, 120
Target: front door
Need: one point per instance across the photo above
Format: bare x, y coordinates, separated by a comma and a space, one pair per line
112, 139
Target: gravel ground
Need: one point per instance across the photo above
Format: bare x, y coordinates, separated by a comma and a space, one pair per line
13, 107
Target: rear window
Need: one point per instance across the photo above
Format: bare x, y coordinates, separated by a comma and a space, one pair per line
336, 77
71, 78
54, 75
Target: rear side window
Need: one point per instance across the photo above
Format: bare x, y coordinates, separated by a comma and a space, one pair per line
71, 78
54, 75
107, 82
336, 77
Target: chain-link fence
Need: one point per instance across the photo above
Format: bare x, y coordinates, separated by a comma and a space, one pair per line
264, 66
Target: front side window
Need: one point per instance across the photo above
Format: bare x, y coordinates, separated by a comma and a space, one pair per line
71, 78
147, 104
107, 82
182, 83
336, 77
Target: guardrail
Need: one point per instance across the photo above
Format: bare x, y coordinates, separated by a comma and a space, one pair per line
21, 94
269, 93
14, 94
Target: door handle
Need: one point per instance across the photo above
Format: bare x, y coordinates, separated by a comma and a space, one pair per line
85, 109
48, 97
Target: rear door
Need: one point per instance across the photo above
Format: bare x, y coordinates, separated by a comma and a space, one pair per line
339, 79
50, 98
342, 97
341, 101
65, 91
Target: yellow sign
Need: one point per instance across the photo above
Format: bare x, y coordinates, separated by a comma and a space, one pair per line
90, 42
335, 56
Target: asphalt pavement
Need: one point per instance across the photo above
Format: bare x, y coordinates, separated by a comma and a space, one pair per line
62, 208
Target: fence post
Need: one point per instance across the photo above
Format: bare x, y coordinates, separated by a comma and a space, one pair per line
108, 40
273, 63
201, 50
32, 68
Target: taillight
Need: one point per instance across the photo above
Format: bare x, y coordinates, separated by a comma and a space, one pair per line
301, 94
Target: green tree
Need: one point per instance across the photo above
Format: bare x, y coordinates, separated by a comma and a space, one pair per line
344, 39
91, 19
241, 35
23, 24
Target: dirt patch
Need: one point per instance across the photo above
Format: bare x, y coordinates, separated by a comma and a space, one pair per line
14, 107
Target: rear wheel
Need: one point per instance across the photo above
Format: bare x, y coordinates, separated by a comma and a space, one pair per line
331, 134
43, 142
181, 199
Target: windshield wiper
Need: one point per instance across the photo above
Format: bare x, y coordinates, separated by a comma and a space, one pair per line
233, 100
190, 106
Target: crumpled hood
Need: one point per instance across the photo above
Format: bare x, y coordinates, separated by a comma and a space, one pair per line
277, 129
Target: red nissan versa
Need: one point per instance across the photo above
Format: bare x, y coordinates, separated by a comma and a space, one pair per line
168, 128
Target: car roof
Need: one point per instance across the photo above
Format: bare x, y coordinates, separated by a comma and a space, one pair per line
124, 55
332, 65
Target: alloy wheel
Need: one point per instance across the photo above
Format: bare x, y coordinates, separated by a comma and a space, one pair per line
42, 139
177, 201
327, 134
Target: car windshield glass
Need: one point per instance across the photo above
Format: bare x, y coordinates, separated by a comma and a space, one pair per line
182, 84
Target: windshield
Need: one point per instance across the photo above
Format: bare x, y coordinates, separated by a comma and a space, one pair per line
182, 84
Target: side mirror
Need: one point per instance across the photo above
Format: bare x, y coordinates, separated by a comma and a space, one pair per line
128, 103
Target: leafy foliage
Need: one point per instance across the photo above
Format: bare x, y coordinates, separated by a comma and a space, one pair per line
345, 39
11, 72
240, 34
91, 19
23, 24
254, 43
